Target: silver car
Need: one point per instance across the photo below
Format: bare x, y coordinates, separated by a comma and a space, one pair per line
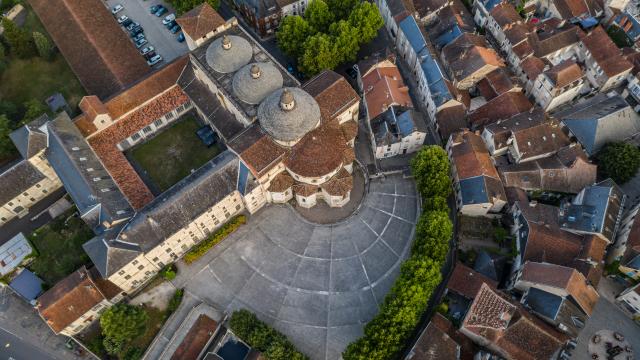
154, 60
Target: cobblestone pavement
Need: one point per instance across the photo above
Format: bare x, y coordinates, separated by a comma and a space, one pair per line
318, 284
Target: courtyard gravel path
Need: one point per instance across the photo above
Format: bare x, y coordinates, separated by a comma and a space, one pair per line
318, 284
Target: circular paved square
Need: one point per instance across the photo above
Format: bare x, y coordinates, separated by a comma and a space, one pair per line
318, 284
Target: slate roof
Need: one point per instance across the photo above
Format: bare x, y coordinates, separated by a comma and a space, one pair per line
29, 139
596, 209
556, 310
600, 120
71, 298
97, 50
252, 89
27, 285
17, 179
289, 125
394, 124
490, 265
200, 21
78, 167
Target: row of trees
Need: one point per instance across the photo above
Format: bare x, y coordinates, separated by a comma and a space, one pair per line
23, 44
386, 335
330, 33
261, 337
182, 6
619, 161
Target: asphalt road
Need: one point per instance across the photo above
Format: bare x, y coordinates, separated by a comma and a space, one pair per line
14, 348
36, 217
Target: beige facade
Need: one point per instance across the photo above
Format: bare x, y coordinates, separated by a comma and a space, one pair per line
630, 301
549, 97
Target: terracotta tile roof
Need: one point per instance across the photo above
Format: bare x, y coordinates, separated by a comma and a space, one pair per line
467, 346
281, 182
467, 282
470, 156
451, 119
196, 339
495, 83
552, 36
546, 137
340, 184
304, 190
69, 299
523, 49
384, 87
426, 7
633, 56
349, 130
200, 21
434, 344
104, 144
469, 53
565, 73
97, 50
131, 98
528, 339
257, 150
605, 52
319, 152
562, 277
570, 9
539, 213
552, 245
500, 108
332, 92
349, 156
518, 32
489, 314
594, 248
505, 14
502, 130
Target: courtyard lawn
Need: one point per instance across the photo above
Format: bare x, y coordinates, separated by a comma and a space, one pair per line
35, 78
59, 247
170, 156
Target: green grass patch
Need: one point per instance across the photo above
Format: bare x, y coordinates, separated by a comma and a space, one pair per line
59, 247
197, 251
170, 156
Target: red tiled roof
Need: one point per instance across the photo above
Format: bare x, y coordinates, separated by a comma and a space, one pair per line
332, 92
200, 21
384, 87
502, 107
434, 344
319, 152
605, 52
281, 182
565, 73
304, 190
489, 314
470, 156
467, 282
505, 14
495, 83
349, 130
547, 243
257, 150
340, 184
104, 144
527, 339
196, 339
97, 50
546, 137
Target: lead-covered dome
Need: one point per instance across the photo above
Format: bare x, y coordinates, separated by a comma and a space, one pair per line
288, 114
229, 53
253, 82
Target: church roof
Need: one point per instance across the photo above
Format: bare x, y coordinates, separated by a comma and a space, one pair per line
254, 82
229, 60
289, 125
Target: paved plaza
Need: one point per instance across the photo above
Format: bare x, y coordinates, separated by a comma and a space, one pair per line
318, 284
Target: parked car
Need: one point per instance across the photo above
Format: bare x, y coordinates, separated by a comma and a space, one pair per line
154, 60
181, 37
116, 9
127, 22
175, 29
161, 11
170, 25
138, 37
150, 55
147, 50
136, 31
132, 25
141, 42
122, 19
169, 18
154, 8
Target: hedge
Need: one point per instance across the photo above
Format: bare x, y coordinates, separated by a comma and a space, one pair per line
200, 249
272, 344
403, 307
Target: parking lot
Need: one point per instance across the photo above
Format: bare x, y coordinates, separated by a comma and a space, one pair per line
318, 284
164, 42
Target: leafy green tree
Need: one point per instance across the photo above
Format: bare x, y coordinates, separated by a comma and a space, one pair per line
20, 41
430, 168
342, 8
33, 109
367, 19
435, 203
182, 6
319, 54
346, 40
319, 16
9, 109
433, 231
619, 161
6, 145
43, 45
134, 353
112, 346
242, 323
292, 34
122, 323
3, 58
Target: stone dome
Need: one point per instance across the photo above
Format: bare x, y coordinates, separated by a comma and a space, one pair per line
253, 82
288, 114
229, 53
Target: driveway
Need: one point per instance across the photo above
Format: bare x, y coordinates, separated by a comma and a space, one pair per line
318, 284
162, 39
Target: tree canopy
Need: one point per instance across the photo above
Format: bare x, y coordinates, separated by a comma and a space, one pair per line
6, 145
182, 6
19, 40
430, 168
43, 45
619, 161
122, 323
329, 33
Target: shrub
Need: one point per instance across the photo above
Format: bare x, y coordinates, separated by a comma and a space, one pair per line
261, 337
619, 161
122, 323
199, 250
169, 272
175, 301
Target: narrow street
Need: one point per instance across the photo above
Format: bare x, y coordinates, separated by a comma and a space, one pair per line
35, 218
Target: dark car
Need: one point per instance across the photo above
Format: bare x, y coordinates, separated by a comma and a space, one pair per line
154, 8
161, 11
150, 55
181, 37
132, 25
175, 29
171, 24
127, 22
135, 31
